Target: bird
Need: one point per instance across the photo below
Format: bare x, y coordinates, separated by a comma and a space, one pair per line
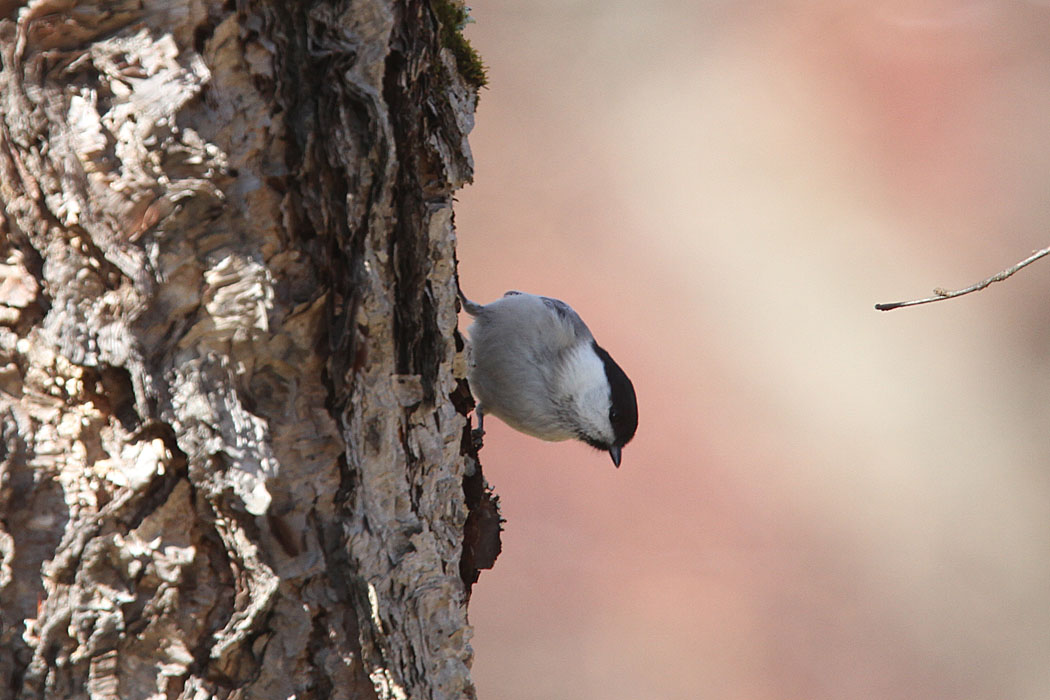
535, 365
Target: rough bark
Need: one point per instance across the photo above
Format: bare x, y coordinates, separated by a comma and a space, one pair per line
233, 454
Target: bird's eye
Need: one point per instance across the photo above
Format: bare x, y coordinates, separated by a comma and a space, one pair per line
614, 414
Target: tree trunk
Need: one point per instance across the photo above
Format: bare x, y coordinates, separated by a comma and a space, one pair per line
234, 460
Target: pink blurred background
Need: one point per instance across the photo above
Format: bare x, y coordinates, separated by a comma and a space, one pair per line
822, 501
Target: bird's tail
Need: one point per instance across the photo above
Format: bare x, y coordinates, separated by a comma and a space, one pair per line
469, 306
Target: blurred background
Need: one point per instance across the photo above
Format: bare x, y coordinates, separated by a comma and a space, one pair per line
822, 500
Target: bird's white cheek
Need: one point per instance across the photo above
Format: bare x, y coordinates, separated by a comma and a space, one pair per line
587, 391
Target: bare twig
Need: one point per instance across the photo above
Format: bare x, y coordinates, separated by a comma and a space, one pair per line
941, 294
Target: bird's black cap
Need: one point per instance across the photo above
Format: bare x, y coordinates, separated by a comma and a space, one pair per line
623, 404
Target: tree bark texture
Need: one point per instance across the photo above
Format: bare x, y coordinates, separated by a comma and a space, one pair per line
234, 461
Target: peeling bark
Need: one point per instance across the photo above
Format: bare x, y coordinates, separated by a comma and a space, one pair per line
234, 460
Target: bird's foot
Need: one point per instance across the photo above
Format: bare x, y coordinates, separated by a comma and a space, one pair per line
476, 436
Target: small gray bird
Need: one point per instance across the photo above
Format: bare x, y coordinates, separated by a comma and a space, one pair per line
535, 365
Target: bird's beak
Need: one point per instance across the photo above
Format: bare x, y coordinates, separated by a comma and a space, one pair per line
614, 452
